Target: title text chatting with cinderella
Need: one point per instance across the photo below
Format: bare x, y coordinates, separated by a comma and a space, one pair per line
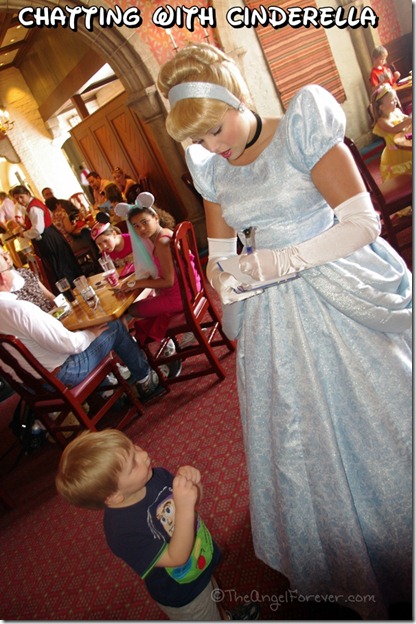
186, 17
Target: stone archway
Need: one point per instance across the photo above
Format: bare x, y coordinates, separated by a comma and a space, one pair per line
135, 66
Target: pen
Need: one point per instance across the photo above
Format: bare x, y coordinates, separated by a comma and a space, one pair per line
249, 234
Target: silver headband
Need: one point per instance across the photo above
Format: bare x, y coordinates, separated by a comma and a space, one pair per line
187, 90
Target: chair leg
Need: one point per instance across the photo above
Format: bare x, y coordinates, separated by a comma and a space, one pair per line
227, 342
210, 354
152, 360
131, 395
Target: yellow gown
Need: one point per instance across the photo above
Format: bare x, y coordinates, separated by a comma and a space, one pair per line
394, 161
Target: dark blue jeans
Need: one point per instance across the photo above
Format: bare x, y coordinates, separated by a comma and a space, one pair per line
116, 338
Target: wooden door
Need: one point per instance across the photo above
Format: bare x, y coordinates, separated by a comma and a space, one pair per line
113, 137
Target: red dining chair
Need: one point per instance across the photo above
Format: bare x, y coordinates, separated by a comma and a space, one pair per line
52, 402
41, 268
388, 199
80, 201
199, 317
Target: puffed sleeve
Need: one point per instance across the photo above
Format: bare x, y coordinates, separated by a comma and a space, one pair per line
315, 123
201, 167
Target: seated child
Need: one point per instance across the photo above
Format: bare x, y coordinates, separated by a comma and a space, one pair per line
150, 520
381, 72
155, 227
110, 240
389, 120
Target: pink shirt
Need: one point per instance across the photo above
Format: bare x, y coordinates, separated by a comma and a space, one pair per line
126, 251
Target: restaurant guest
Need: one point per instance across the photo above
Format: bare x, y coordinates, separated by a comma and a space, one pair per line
324, 355
155, 226
123, 181
97, 184
381, 73
112, 241
73, 227
389, 120
71, 356
27, 286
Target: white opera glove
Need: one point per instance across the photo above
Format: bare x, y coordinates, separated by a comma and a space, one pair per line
359, 225
224, 283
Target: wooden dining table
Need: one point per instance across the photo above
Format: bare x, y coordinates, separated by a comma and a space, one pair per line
110, 304
403, 140
405, 85
404, 91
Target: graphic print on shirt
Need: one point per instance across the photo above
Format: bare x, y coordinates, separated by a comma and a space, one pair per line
161, 521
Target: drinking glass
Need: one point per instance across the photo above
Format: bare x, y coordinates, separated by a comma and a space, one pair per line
110, 272
87, 292
90, 297
65, 288
81, 283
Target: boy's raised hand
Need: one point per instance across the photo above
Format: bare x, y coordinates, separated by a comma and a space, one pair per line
185, 494
190, 473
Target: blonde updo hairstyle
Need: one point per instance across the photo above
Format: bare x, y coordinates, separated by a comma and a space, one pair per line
194, 117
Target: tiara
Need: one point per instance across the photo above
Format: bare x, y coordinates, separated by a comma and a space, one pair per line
188, 90
382, 90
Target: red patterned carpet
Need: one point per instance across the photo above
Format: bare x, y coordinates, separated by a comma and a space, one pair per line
54, 559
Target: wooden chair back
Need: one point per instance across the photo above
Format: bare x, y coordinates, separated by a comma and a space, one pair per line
80, 201
199, 316
41, 270
388, 198
53, 402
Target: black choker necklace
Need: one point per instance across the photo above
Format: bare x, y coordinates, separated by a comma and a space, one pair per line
258, 130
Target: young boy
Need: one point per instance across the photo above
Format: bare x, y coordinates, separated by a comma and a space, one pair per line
381, 72
149, 521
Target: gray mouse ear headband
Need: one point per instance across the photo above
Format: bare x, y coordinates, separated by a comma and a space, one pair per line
188, 90
143, 200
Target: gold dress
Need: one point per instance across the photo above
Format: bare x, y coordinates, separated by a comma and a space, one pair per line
394, 161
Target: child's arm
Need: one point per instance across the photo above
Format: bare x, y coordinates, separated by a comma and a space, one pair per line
185, 496
389, 127
193, 475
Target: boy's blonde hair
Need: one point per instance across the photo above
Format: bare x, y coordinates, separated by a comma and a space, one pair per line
199, 62
90, 466
377, 52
